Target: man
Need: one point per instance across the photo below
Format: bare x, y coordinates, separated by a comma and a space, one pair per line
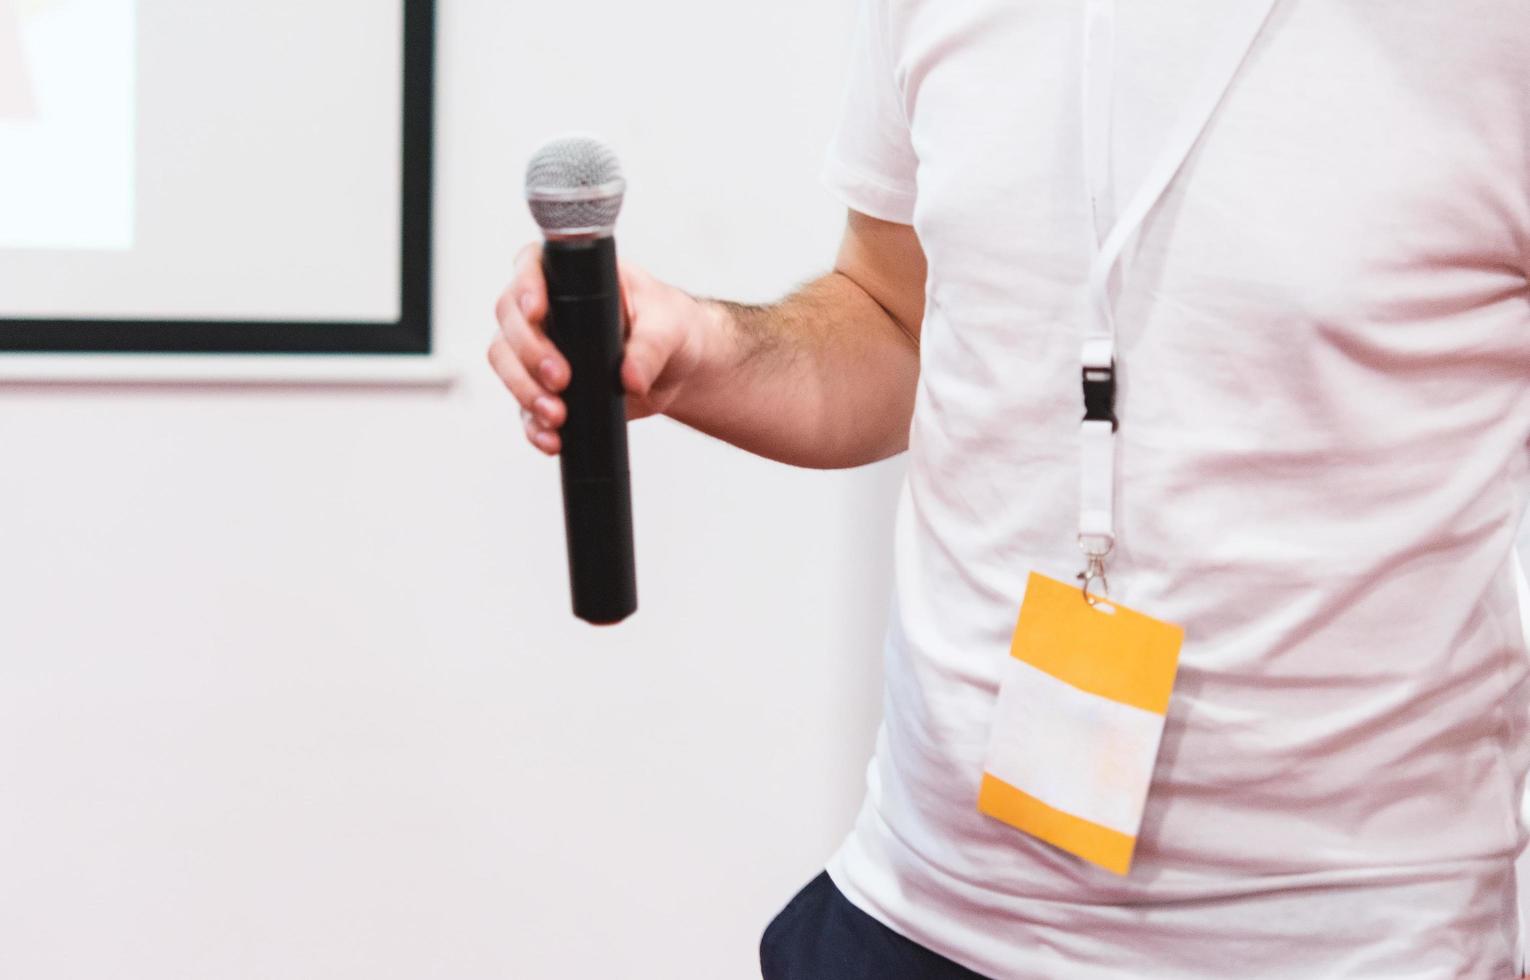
1322, 327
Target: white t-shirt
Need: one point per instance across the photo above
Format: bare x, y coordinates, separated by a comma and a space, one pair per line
1324, 349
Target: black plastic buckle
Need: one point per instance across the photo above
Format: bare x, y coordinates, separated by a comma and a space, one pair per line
1100, 395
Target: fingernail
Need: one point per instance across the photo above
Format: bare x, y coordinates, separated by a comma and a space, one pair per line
549, 371
526, 304
545, 440
543, 406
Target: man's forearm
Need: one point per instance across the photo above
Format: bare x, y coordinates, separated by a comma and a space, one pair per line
825, 378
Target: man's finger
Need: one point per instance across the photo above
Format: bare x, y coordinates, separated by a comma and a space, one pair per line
529, 286
540, 436
545, 407
642, 363
539, 357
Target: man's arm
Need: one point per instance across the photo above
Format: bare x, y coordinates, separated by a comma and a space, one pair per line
824, 378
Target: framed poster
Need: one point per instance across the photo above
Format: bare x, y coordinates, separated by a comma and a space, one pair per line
208, 189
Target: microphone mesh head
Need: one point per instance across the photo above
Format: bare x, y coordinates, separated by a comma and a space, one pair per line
573, 184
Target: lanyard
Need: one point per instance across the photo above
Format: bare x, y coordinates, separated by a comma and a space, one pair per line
1096, 526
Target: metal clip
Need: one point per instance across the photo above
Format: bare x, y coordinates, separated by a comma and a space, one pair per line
1094, 570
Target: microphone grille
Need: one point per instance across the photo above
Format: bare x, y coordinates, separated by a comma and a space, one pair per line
574, 185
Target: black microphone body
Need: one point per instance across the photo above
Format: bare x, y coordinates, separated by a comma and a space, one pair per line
585, 322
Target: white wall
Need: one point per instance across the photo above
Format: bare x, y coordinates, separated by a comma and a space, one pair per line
288, 684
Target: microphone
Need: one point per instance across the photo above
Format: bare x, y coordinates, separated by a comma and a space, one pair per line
574, 186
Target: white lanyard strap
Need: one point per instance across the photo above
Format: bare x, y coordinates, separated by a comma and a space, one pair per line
1097, 472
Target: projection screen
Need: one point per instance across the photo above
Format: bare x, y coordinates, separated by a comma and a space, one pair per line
206, 176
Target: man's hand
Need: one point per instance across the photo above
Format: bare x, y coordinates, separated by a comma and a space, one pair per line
824, 378
666, 331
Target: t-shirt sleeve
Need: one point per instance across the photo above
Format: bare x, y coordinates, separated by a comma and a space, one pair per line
871, 165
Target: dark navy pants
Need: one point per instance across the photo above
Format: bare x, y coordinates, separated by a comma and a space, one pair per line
821, 936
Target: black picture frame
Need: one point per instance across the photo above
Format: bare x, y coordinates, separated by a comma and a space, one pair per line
410, 334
